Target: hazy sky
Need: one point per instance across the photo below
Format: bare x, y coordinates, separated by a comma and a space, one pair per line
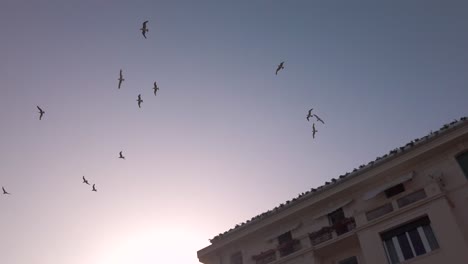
225, 139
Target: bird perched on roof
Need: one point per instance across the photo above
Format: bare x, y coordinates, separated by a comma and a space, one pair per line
155, 88
85, 181
41, 112
314, 130
144, 29
139, 100
121, 156
280, 66
309, 115
94, 188
319, 119
121, 79
4, 191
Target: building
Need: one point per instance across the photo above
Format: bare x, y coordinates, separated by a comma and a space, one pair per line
409, 206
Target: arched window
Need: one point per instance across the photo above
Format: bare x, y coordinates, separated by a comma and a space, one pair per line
463, 161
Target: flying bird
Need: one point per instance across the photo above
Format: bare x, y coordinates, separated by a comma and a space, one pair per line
314, 130
155, 88
121, 79
144, 29
309, 115
121, 156
139, 100
41, 112
319, 119
281, 66
4, 191
94, 188
85, 181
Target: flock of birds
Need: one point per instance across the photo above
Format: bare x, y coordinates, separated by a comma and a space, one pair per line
309, 115
144, 29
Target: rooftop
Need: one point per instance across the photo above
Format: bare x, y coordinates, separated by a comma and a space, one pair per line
333, 182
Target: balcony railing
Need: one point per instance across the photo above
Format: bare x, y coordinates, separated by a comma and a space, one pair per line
265, 257
328, 232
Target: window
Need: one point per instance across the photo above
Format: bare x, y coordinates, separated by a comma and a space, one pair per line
392, 191
236, 258
411, 198
409, 240
379, 211
463, 162
287, 245
285, 238
336, 216
351, 260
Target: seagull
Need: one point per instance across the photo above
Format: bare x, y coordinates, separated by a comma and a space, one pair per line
4, 191
314, 130
85, 181
121, 156
121, 79
139, 100
41, 112
281, 66
319, 119
144, 29
309, 115
94, 188
155, 88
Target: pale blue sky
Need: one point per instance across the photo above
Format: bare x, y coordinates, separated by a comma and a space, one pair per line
225, 139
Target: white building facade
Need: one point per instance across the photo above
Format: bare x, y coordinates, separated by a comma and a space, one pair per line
410, 206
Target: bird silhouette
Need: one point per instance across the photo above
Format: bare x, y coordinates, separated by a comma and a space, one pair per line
139, 100
144, 29
314, 130
281, 66
41, 112
319, 119
155, 88
85, 181
121, 156
121, 79
4, 191
94, 188
309, 115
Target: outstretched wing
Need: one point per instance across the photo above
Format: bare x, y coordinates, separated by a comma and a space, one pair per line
319, 119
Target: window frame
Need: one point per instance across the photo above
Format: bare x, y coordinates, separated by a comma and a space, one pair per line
458, 157
409, 240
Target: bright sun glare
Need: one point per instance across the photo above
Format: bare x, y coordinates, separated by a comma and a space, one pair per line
155, 246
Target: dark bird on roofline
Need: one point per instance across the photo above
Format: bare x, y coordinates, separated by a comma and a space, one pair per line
4, 191
139, 100
94, 188
121, 79
155, 88
85, 181
144, 29
121, 156
319, 119
41, 112
281, 66
309, 115
314, 130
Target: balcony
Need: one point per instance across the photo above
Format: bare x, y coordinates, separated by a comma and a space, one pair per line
265, 257
330, 232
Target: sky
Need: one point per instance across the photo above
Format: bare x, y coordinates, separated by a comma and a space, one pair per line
225, 138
